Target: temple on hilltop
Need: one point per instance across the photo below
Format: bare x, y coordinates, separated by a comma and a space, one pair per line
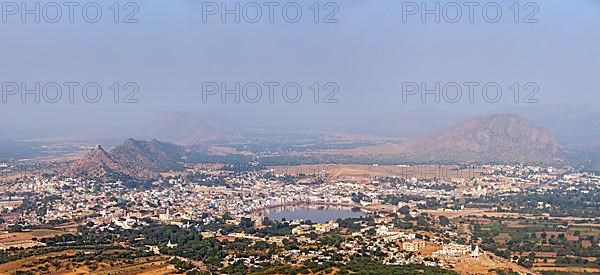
476, 252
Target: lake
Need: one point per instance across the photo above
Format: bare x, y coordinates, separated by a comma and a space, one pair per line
314, 213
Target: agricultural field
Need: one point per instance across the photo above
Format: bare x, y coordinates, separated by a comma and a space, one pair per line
84, 260
542, 244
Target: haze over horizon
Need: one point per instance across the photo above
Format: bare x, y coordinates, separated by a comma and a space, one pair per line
369, 53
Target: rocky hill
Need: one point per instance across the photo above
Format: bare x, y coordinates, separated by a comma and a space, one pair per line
97, 163
493, 138
133, 159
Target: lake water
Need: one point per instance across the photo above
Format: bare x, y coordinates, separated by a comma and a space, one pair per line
315, 213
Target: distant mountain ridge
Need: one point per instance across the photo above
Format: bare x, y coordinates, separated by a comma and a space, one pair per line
137, 159
498, 138
492, 138
191, 130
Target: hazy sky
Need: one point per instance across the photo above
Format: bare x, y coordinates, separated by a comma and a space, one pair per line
369, 53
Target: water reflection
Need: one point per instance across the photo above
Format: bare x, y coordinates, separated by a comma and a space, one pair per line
314, 213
